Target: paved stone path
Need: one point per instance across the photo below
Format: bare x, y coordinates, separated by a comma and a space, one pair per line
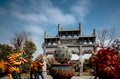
75, 77
49, 77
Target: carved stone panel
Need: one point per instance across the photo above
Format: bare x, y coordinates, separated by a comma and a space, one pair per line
70, 41
75, 50
50, 50
87, 50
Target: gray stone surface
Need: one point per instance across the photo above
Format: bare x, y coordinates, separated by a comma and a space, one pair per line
49, 77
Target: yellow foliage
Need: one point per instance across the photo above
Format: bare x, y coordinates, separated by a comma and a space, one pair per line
3, 66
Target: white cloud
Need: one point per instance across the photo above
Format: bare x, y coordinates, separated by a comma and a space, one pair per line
35, 29
56, 16
31, 17
81, 9
41, 12
37, 37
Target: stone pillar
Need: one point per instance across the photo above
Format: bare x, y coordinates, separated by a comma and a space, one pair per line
44, 57
80, 28
94, 33
81, 60
45, 34
59, 28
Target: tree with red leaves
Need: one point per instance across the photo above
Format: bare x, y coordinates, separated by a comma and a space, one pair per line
106, 62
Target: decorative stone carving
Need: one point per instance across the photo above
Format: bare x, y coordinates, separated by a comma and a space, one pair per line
62, 54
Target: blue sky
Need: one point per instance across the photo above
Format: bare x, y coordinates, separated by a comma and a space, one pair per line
36, 16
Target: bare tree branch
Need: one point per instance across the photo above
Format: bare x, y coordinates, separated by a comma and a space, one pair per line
106, 35
19, 39
112, 35
102, 34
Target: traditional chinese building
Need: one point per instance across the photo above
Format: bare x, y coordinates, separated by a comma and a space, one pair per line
75, 39
72, 38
